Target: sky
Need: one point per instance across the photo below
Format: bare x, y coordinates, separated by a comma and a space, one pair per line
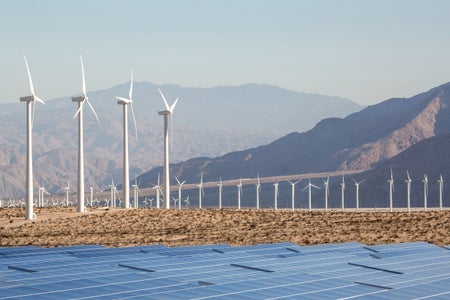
364, 50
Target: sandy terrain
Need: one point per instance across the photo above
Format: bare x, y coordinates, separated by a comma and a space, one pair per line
63, 226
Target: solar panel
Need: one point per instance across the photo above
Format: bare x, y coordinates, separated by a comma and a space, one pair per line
268, 271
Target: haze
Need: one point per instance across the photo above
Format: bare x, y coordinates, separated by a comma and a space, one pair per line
366, 51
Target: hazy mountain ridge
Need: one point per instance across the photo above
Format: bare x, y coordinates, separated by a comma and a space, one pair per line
207, 122
359, 141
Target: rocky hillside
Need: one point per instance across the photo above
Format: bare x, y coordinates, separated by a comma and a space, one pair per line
360, 141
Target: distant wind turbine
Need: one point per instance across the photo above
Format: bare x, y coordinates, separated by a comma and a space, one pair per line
408, 190
258, 191
180, 186
343, 193
357, 192
391, 190
200, 191
31, 103
67, 188
135, 194
425, 192
158, 191
327, 192
167, 113
441, 191
293, 193
220, 185
81, 100
276, 194
126, 168
239, 186
309, 187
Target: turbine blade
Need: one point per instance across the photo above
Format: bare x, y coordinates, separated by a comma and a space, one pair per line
173, 106
38, 100
176, 178
127, 101
30, 81
130, 94
171, 132
93, 111
78, 111
82, 77
134, 119
165, 101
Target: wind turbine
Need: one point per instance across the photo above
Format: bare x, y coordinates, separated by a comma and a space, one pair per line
343, 193
29, 214
187, 203
135, 194
408, 190
441, 190
293, 192
239, 186
220, 185
67, 188
309, 187
276, 194
126, 168
425, 192
81, 100
357, 192
258, 191
200, 191
166, 113
158, 191
327, 192
92, 195
391, 189
111, 193
180, 186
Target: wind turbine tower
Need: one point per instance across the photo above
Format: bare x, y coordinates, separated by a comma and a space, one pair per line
135, 194
167, 113
29, 214
220, 185
258, 191
357, 192
200, 191
158, 190
343, 193
327, 192
67, 188
239, 186
180, 186
276, 193
391, 190
81, 100
425, 192
408, 191
126, 168
309, 187
293, 193
441, 190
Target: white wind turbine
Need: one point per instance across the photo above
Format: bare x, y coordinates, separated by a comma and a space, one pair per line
309, 187
166, 113
239, 186
180, 186
327, 192
258, 191
441, 190
31, 103
126, 168
200, 191
187, 203
92, 195
408, 190
391, 190
425, 192
111, 193
357, 192
293, 192
343, 193
81, 100
158, 191
220, 185
136, 193
276, 194
67, 188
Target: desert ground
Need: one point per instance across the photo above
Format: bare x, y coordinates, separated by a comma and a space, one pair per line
59, 226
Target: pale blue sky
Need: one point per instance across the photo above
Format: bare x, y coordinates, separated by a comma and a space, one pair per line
364, 50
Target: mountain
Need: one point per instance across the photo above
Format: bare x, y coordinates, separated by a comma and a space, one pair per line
359, 141
207, 122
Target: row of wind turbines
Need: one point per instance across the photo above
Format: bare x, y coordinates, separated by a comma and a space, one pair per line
81, 100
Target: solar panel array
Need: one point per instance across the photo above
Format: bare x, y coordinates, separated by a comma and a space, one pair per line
269, 271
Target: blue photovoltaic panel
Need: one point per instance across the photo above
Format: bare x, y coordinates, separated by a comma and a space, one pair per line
280, 270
